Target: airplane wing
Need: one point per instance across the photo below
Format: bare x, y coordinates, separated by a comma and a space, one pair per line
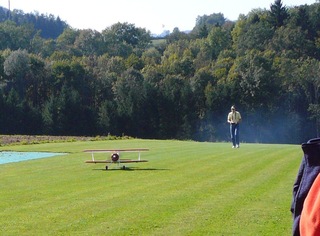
115, 156
120, 161
117, 150
99, 161
131, 161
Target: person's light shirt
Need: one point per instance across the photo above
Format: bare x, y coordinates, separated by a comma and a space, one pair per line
234, 117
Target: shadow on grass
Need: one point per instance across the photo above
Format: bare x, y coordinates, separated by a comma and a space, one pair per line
131, 169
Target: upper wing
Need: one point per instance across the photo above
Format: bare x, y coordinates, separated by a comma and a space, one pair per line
118, 150
119, 161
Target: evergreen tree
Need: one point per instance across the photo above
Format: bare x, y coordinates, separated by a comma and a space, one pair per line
278, 14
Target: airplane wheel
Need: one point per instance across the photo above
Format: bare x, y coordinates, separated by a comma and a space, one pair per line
106, 167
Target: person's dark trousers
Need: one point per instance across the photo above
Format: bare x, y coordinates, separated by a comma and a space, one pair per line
234, 132
308, 171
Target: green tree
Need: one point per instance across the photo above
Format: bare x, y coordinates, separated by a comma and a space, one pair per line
115, 65
308, 18
48, 48
310, 78
292, 40
151, 56
152, 81
206, 22
12, 109
129, 92
107, 71
278, 14
203, 31
177, 58
89, 42
37, 87
130, 97
135, 62
300, 18
176, 108
198, 85
66, 42
219, 39
106, 118
176, 35
16, 66
49, 114
122, 39
15, 37
72, 74
250, 33
202, 52
257, 79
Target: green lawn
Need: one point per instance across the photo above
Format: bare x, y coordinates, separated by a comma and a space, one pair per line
186, 188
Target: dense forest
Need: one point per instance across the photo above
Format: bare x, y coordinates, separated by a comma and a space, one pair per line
56, 80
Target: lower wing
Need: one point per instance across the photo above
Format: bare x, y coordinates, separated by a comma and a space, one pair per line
119, 161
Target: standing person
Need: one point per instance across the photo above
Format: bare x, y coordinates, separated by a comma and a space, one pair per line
305, 203
234, 118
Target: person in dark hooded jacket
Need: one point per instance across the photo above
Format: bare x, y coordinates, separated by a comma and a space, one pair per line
308, 172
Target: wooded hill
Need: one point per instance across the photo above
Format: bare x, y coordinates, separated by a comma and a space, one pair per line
122, 81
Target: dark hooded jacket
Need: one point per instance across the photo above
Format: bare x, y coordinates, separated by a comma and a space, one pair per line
308, 171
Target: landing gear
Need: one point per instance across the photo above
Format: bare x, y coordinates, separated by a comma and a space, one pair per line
123, 167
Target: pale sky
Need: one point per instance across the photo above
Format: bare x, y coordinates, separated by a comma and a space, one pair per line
153, 15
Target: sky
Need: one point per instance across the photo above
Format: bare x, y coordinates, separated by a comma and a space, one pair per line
153, 15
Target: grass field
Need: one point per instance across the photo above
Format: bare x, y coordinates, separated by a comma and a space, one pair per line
186, 188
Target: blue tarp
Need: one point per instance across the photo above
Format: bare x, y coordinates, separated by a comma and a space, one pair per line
8, 157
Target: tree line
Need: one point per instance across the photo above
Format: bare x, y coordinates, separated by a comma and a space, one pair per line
121, 81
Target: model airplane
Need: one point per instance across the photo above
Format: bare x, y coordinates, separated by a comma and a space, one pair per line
115, 156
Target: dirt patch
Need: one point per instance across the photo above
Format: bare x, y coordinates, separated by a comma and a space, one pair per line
35, 139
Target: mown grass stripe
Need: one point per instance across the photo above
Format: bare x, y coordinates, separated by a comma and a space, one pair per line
186, 188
